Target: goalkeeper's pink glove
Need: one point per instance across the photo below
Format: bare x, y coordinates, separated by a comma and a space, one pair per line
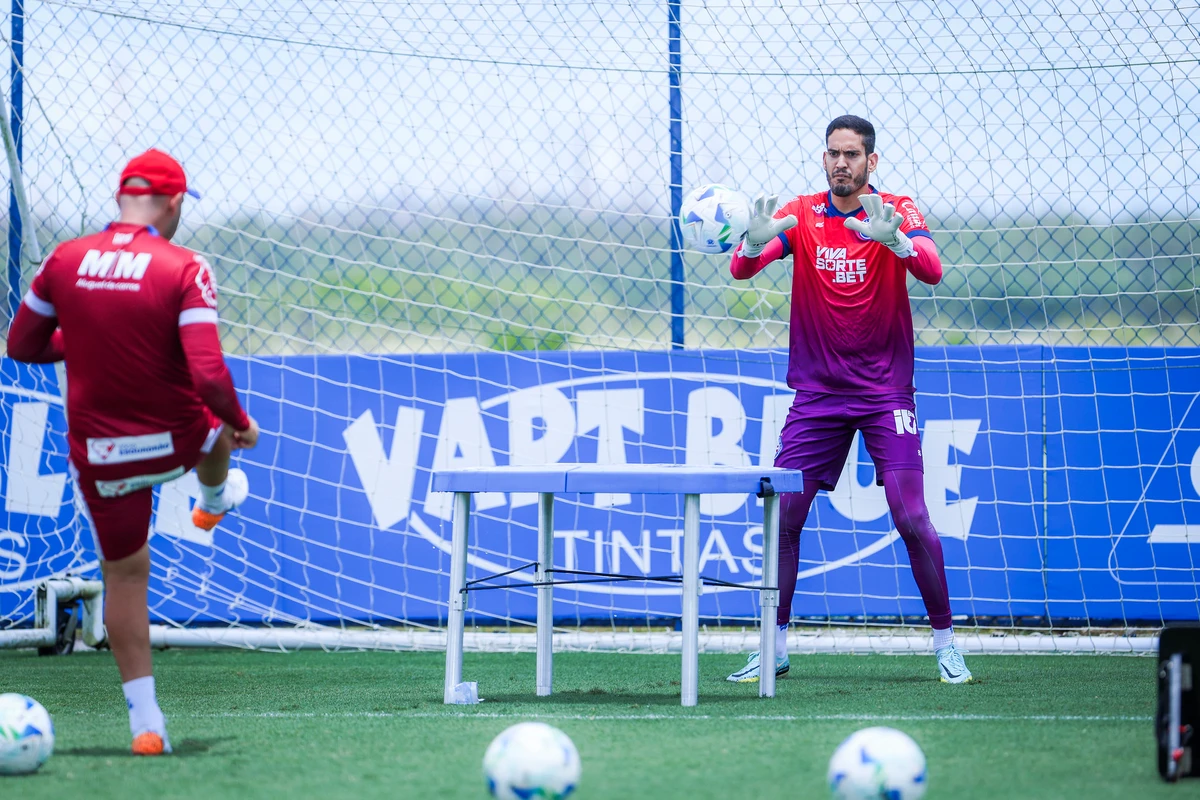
763, 225
882, 224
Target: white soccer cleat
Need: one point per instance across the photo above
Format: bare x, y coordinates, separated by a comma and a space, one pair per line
750, 673
951, 666
237, 489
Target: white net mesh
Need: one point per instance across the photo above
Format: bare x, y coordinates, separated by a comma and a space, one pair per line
442, 233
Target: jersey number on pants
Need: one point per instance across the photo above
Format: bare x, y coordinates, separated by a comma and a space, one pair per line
906, 421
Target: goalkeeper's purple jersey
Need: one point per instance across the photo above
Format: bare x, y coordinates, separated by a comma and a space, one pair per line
851, 326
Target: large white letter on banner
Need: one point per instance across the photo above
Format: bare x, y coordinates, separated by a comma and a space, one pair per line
704, 447
12, 560
387, 480
612, 412
860, 502
27, 491
557, 429
949, 519
462, 442
774, 414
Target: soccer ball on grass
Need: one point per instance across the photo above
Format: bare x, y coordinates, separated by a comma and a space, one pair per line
531, 760
714, 218
877, 763
26, 735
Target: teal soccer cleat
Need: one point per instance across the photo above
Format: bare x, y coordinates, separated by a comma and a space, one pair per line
749, 673
951, 666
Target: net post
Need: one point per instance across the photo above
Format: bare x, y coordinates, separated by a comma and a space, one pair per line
46, 610
675, 72
691, 600
17, 94
545, 601
458, 597
769, 595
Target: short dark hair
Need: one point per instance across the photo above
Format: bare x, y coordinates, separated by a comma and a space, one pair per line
859, 125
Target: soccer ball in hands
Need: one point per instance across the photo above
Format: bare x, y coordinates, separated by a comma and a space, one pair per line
877, 762
714, 218
531, 759
26, 734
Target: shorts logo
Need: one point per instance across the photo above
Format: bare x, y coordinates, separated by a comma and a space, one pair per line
124, 449
124, 486
906, 421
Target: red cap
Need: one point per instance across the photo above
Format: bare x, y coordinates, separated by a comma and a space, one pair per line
163, 173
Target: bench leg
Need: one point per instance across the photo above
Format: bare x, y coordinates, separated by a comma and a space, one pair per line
458, 598
545, 602
691, 599
769, 601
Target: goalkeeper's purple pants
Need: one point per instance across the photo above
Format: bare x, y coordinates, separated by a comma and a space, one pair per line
816, 438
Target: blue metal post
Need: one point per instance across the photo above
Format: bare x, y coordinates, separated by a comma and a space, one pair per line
17, 99
676, 73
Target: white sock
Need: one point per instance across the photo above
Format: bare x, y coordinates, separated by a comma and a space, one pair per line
144, 713
943, 638
212, 498
781, 641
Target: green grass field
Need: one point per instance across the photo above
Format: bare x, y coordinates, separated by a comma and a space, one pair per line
368, 725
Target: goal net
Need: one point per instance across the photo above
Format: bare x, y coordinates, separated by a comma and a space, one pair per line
443, 235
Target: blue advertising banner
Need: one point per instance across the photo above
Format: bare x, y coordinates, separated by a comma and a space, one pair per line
1065, 483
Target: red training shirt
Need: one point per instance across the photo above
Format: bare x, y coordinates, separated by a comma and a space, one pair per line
136, 320
851, 325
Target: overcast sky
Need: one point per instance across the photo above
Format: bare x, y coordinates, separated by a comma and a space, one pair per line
984, 109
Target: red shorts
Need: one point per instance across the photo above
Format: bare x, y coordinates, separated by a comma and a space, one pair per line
117, 476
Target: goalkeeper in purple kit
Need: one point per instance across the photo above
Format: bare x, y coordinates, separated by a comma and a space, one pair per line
851, 361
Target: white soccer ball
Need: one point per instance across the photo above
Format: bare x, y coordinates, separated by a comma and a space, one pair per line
531, 759
714, 218
877, 763
26, 735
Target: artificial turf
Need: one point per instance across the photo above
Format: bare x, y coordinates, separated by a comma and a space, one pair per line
362, 725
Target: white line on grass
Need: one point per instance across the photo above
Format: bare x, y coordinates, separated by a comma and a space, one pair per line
618, 717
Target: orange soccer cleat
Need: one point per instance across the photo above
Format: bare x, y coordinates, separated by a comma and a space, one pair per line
205, 520
149, 743
237, 488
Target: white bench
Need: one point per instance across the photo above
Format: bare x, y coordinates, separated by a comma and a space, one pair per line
632, 479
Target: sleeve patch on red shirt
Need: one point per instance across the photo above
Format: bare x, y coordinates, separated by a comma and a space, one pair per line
206, 282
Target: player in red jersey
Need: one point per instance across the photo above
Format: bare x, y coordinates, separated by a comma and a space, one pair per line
851, 361
148, 396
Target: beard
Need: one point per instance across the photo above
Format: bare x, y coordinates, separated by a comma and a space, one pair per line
849, 183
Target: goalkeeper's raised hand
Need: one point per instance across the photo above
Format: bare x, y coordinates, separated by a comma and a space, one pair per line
763, 225
882, 224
